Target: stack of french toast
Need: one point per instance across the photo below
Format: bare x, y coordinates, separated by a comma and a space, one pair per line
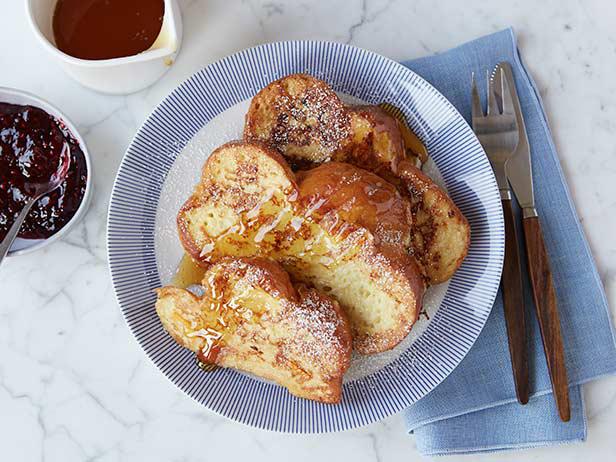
319, 233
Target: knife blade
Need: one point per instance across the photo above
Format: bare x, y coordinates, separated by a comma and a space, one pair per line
519, 167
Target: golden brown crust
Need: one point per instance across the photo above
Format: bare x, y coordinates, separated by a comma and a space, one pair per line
300, 115
190, 245
272, 216
260, 149
441, 234
378, 142
241, 194
253, 318
390, 284
375, 142
347, 194
415, 150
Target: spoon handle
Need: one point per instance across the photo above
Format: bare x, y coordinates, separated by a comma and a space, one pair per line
5, 245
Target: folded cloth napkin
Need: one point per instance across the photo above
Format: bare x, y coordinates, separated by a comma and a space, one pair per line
475, 409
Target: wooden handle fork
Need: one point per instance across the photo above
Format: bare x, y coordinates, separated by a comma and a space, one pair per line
513, 302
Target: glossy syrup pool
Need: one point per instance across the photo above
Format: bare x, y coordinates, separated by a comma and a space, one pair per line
188, 273
178, 185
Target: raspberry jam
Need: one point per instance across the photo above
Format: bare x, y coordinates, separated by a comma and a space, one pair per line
31, 142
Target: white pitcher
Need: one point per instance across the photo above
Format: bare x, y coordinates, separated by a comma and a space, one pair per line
119, 75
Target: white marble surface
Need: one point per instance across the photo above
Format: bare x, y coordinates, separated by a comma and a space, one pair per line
75, 386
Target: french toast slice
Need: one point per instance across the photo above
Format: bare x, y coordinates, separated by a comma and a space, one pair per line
252, 318
249, 203
440, 234
303, 118
414, 148
301, 115
347, 195
244, 202
377, 141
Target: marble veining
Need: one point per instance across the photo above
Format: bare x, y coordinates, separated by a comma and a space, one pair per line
75, 386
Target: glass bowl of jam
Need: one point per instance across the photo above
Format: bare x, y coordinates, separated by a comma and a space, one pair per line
32, 135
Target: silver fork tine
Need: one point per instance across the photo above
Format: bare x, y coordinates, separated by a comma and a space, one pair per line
506, 94
493, 98
476, 109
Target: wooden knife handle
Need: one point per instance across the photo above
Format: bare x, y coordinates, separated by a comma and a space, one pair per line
547, 313
513, 302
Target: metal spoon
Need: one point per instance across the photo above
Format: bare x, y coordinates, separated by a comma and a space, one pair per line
35, 191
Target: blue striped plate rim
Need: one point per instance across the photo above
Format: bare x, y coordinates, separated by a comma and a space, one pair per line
375, 79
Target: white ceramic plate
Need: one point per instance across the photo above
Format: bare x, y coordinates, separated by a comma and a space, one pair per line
163, 163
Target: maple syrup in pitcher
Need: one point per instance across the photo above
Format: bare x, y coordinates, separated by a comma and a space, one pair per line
106, 29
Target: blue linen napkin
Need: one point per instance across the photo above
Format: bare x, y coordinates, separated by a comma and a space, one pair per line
475, 409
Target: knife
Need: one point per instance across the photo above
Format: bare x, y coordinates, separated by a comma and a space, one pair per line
519, 173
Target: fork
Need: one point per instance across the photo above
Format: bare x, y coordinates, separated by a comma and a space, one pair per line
497, 131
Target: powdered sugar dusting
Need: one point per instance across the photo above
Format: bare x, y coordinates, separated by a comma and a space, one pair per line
317, 317
316, 118
178, 186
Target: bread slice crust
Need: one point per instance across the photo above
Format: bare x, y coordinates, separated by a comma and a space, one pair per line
321, 234
441, 235
252, 318
301, 115
375, 141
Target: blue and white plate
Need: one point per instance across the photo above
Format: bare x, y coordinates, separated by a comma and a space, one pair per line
163, 164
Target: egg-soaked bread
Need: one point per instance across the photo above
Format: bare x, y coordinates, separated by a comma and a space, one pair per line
252, 318
375, 141
440, 234
344, 232
301, 116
